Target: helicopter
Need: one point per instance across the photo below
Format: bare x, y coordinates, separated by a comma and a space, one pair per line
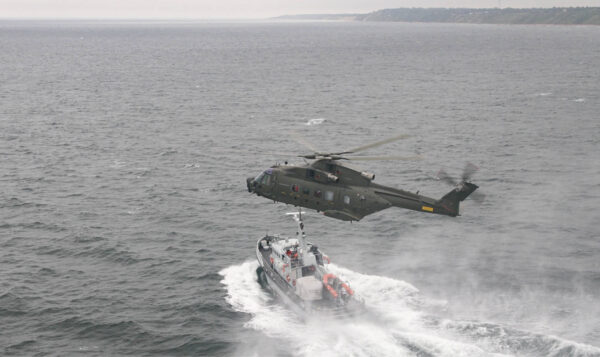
330, 186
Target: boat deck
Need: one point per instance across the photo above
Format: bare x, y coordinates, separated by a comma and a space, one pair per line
323, 306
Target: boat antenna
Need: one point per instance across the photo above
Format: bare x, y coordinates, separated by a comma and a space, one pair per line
297, 216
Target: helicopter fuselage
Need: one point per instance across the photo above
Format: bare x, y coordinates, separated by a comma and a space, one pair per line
340, 192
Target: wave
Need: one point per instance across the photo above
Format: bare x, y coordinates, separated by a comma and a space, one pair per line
12, 305
111, 254
35, 225
399, 324
14, 202
315, 121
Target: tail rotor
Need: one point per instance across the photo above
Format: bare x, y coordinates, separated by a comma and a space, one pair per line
468, 172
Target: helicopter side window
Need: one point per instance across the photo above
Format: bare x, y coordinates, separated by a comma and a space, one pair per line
310, 173
347, 200
329, 195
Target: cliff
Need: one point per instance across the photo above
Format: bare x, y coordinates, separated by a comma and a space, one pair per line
553, 16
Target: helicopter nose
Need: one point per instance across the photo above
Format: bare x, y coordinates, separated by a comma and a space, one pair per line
249, 183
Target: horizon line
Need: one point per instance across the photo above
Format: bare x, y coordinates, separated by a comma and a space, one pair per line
257, 18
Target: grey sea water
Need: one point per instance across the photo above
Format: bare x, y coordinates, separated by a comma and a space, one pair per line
126, 228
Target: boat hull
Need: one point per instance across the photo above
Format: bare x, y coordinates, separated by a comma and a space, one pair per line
287, 294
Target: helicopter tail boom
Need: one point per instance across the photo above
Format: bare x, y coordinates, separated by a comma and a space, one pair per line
452, 199
447, 205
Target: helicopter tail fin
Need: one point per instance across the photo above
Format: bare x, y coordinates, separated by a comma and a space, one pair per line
452, 199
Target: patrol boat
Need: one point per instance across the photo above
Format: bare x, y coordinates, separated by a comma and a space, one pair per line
295, 270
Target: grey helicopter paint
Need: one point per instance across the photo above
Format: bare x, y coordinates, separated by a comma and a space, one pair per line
327, 185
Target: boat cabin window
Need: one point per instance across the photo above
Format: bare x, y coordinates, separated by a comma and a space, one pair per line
308, 270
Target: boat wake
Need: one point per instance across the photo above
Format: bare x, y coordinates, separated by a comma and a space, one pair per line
399, 324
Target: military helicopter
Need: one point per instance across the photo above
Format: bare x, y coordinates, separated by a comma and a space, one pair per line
330, 186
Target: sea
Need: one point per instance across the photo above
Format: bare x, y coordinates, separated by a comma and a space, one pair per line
126, 228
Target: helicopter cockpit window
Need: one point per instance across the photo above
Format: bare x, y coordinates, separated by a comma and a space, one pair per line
259, 177
264, 178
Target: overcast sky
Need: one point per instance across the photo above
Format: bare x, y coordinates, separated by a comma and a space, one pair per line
230, 9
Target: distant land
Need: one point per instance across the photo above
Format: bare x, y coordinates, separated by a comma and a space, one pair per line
553, 16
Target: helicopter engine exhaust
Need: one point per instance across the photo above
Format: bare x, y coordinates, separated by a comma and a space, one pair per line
369, 176
333, 178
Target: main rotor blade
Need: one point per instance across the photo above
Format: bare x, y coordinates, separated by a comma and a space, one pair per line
382, 158
281, 153
443, 176
299, 139
375, 144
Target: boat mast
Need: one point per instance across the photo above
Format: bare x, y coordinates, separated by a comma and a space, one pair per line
297, 216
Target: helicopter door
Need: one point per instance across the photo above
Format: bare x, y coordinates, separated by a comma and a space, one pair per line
349, 202
273, 186
266, 182
329, 196
362, 203
353, 202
